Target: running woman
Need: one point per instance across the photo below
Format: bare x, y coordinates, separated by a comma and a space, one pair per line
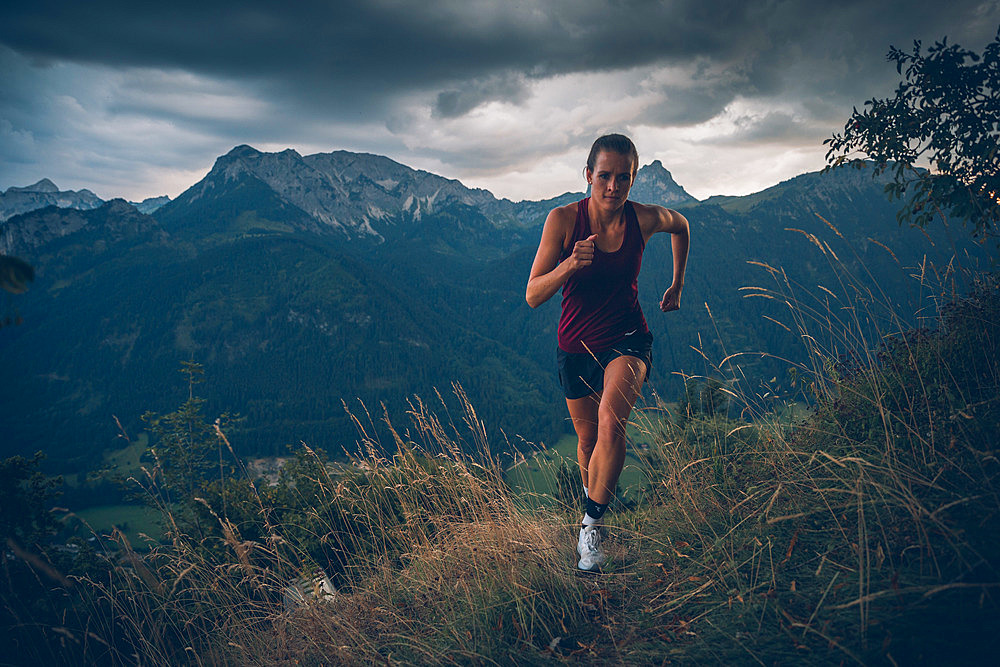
592, 250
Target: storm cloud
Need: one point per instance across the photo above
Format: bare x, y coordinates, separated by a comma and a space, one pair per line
137, 98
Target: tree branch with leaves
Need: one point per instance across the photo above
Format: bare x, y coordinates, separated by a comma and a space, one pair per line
945, 115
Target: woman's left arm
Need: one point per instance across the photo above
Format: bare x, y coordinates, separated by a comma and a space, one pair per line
659, 219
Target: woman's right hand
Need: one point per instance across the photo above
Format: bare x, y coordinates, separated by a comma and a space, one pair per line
583, 253
549, 271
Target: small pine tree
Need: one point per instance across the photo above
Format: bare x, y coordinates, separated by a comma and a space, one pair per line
189, 454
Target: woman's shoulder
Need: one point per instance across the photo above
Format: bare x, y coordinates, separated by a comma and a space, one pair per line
645, 211
563, 216
654, 218
561, 224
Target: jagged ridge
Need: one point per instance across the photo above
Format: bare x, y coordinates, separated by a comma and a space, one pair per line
17, 200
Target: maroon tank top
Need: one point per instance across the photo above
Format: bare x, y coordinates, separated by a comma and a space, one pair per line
600, 302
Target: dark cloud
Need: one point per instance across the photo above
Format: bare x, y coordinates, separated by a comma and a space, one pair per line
361, 54
456, 102
691, 103
320, 68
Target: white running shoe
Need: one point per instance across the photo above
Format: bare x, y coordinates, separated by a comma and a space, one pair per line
589, 548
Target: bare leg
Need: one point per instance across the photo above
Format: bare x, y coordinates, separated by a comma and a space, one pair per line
623, 379
583, 412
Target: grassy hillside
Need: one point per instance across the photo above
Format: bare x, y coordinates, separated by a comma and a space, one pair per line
861, 533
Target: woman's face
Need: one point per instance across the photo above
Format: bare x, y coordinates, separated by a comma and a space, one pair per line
611, 178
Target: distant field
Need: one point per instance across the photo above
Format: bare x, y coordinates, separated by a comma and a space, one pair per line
128, 459
125, 461
535, 475
132, 520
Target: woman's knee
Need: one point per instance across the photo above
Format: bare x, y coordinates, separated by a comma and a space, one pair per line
587, 438
610, 421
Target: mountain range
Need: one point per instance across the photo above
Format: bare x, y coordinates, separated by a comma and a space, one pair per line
16, 200
305, 284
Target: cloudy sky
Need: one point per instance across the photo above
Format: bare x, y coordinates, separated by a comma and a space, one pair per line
137, 99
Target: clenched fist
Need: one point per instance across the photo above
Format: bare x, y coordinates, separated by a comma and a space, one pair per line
583, 253
671, 299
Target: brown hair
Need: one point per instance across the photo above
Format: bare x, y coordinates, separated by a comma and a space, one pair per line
616, 143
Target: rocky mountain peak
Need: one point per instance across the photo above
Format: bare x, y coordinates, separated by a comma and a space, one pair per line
17, 200
42, 186
150, 204
243, 150
353, 193
655, 185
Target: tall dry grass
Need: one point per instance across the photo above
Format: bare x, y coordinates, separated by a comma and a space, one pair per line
863, 532
435, 562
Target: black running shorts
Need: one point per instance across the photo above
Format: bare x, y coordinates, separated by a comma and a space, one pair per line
582, 374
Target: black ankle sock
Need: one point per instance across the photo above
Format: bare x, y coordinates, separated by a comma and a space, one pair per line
595, 510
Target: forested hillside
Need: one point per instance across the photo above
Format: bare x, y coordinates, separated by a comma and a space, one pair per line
292, 316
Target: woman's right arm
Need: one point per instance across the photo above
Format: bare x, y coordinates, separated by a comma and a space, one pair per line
548, 274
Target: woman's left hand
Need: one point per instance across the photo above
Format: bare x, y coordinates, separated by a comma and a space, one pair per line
671, 299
